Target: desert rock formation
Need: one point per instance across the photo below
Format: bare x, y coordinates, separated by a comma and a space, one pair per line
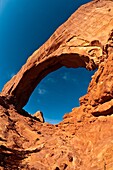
84, 139
39, 115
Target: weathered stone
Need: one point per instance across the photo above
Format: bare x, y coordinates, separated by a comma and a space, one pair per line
79, 42
39, 115
84, 139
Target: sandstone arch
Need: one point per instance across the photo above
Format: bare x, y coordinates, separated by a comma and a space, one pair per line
76, 43
81, 140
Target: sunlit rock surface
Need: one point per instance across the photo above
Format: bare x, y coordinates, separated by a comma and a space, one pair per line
84, 139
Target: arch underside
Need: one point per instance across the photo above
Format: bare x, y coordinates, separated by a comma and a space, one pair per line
32, 77
77, 43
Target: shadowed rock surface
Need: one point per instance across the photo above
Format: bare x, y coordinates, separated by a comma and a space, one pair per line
84, 139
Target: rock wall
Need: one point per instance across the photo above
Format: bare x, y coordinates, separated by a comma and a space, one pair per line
84, 139
79, 42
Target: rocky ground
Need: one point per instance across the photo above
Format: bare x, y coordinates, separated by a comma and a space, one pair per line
84, 139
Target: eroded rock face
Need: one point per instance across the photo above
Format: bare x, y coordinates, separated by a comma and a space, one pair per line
84, 139
79, 42
39, 115
100, 90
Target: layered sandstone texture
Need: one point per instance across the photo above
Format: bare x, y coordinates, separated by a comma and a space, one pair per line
84, 139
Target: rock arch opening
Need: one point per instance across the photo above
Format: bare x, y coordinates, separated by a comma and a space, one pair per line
59, 92
75, 44
72, 45
21, 86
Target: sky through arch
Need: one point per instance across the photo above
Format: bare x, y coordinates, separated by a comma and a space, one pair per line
24, 26
59, 92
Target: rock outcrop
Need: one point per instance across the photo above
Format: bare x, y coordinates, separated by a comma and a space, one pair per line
84, 139
39, 115
79, 42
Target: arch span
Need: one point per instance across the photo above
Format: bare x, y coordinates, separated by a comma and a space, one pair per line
59, 92
74, 44
22, 85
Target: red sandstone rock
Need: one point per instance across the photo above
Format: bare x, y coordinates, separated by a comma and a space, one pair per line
79, 42
39, 115
84, 139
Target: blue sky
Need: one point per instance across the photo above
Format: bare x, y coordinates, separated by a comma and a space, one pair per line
24, 26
